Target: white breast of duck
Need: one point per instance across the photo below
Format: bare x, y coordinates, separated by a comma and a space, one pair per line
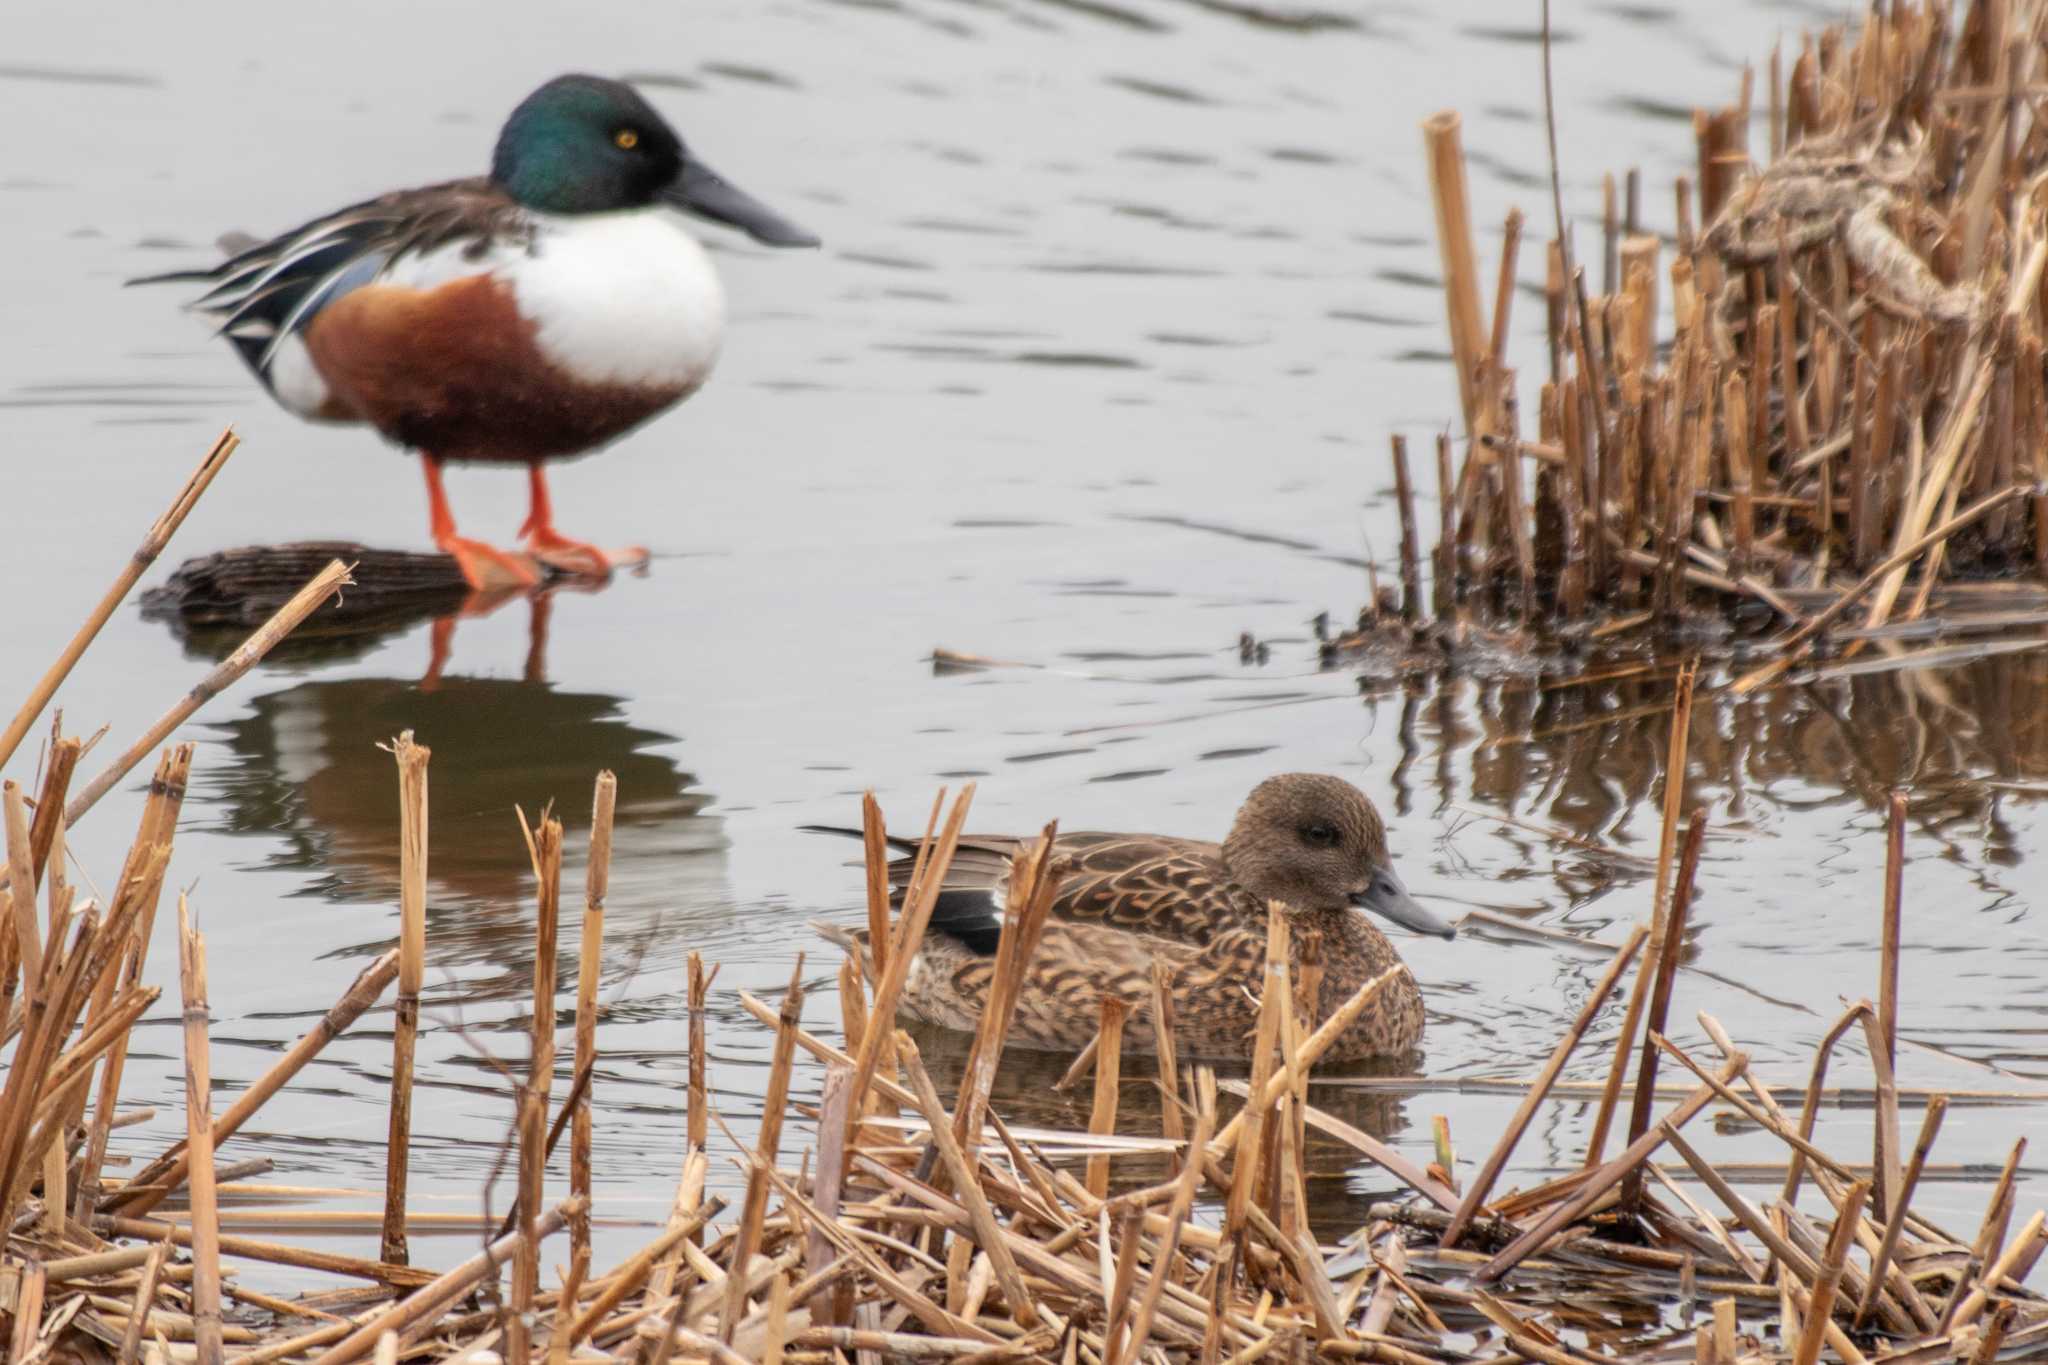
626, 298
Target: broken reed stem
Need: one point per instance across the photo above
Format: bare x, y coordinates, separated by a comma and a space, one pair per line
1674, 797
141, 884
1607, 1176
206, 1325
1673, 947
1482, 1183
1027, 905
919, 899
1443, 146
545, 847
1885, 1155
1895, 1219
773, 1106
130, 1349
430, 1300
589, 960
1109, 1044
412, 759
153, 542
1411, 551
1820, 1313
317, 590
967, 1185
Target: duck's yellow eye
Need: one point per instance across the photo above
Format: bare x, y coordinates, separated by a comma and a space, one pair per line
625, 139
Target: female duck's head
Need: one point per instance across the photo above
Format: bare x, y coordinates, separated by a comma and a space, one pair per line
584, 144
1316, 843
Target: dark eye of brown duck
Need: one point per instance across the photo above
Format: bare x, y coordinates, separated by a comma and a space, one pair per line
1319, 836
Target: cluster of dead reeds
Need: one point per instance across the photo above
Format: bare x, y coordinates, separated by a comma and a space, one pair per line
1853, 401
914, 1231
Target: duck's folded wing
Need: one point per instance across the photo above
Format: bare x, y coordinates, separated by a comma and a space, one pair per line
1175, 889
272, 289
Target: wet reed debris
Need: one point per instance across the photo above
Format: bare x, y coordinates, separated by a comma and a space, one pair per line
1813, 409
897, 1227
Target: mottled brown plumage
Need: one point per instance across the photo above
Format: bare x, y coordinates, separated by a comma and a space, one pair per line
1312, 842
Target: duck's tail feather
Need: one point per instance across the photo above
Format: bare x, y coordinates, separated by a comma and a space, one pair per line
895, 841
970, 918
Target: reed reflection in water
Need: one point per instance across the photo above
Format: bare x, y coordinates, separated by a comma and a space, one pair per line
309, 774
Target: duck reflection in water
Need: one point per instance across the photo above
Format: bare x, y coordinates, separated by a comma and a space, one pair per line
307, 770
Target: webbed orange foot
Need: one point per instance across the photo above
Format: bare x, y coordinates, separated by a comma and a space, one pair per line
486, 567
580, 557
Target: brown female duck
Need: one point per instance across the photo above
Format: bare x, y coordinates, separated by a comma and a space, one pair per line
1312, 842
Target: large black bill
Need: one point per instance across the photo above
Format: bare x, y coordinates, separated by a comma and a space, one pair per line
703, 191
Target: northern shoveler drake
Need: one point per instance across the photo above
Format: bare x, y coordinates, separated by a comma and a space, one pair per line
530, 315
1128, 901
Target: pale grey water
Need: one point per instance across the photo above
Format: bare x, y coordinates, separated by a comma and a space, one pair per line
1118, 305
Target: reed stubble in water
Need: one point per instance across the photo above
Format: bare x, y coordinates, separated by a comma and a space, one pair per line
1850, 412
1120, 1273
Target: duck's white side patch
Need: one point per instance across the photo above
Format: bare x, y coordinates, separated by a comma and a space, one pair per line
295, 380
623, 298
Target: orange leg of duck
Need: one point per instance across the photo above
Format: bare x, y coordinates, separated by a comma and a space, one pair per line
556, 550
485, 566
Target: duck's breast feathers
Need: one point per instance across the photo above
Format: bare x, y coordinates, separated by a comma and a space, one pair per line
627, 298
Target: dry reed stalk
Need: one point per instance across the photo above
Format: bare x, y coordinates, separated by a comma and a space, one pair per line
323, 585
773, 1106
1674, 797
699, 991
1809, 1111
412, 759
199, 1141
167, 1172
1312, 1049
435, 1297
275, 1253
153, 542
1108, 1074
1442, 143
1258, 1110
1411, 553
2013, 1264
1027, 906
544, 846
46, 832
638, 1267
1885, 1156
967, 1186
1165, 1046
130, 1349
1813, 1331
1162, 1261
1482, 1183
1763, 1229
1607, 1176
1895, 1219
919, 899
589, 961
1673, 946
140, 886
